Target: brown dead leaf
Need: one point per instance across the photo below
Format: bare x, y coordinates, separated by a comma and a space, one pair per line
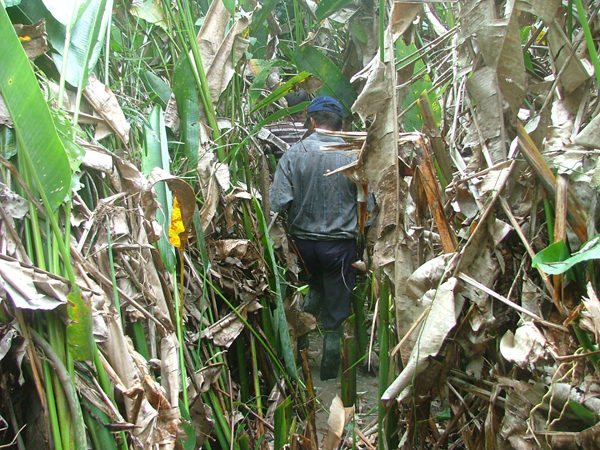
402, 17
104, 101
338, 419
33, 38
228, 328
242, 249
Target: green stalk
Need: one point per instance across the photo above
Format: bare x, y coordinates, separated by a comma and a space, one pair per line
450, 15
586, 342
69, 388
348, 377
100, 436
280, 322
139, 338
382, 30
56, 339
282, 418
255, 378
107, 52
588, 39
360, 329
221, 426
384, 357
549, 218
570, 20
179, 326
53, 222
50, 397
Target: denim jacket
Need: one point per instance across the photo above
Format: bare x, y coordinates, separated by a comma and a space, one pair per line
318, 207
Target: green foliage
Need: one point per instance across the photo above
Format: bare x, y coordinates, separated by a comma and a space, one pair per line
186, 93
409, 55
328, 7
282, 90
155, 85
79, 330
33, 123
156, 154
310, 59
85, 44
555, 258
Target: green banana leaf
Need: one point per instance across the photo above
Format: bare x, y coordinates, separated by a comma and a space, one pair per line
555, 258
409, 55
36, 133
66, 12
86, 42
188, 105
308, 58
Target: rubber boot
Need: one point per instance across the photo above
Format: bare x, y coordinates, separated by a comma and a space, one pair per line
313, 302
330, 362
303, 341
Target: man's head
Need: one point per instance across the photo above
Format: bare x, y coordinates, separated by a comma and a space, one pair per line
324, 112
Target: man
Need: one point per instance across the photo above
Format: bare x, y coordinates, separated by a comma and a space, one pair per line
322, 220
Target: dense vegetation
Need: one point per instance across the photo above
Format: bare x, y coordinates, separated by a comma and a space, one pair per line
149, 299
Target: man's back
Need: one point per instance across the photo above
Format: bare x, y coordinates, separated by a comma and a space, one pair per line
318, 207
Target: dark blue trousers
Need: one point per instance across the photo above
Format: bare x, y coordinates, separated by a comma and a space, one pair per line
331, 277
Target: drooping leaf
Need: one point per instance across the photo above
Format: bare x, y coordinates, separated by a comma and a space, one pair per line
555, 259
104, 101
23, 284
336, 85
158, 87
186, 93
151, 11
33, 123
184, 205
79, 331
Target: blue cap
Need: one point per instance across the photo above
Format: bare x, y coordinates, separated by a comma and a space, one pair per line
325, 103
